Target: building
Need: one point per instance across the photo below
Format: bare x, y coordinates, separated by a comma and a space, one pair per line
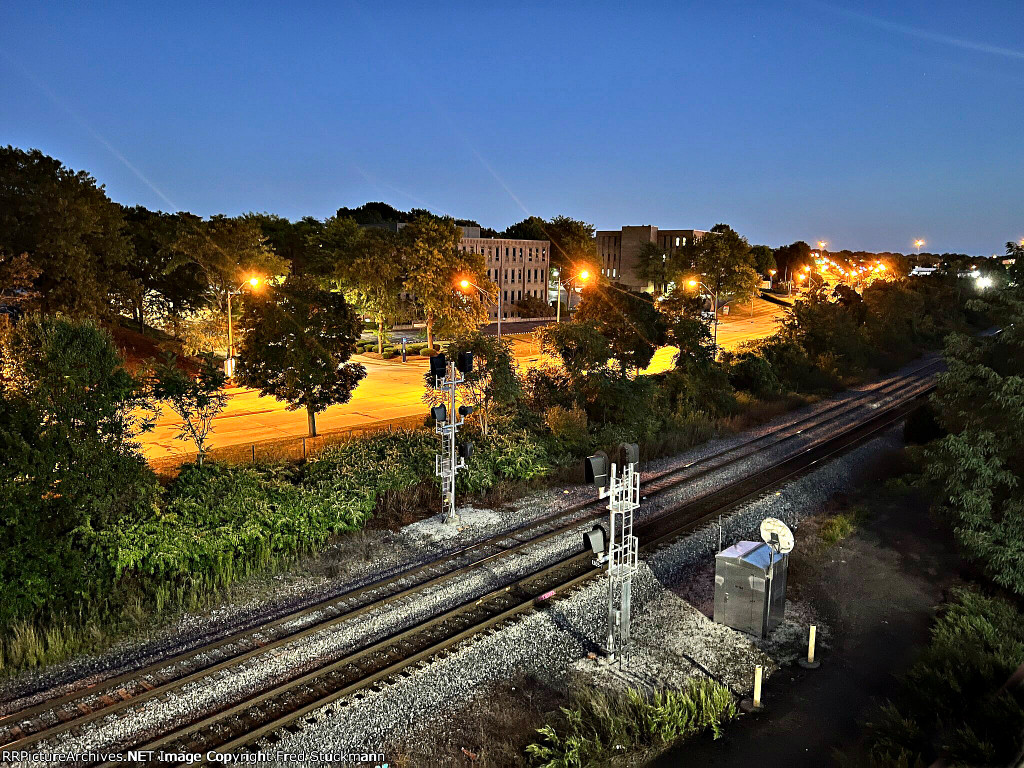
617, 250
518, 267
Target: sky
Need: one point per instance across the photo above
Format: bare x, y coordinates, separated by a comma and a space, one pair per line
864, 124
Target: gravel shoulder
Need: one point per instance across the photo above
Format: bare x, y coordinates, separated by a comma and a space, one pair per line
353, 561
552, 645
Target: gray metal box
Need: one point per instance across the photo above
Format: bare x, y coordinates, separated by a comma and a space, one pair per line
750, 587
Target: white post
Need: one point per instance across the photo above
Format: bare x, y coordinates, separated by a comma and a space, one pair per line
758, 673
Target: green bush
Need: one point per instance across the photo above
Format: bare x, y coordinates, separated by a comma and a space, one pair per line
568, 428
389, 353
427, 352
597, 726
952, 704
752, 373
515, 456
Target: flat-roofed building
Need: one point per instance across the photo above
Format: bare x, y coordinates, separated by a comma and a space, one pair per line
617, 250
518, 267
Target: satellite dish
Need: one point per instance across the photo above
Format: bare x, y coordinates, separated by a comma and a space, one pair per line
772, 525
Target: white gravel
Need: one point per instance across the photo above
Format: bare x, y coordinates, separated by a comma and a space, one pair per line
545, 644
552, 644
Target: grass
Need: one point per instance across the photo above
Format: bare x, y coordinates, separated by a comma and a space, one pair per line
599, 725
841, 526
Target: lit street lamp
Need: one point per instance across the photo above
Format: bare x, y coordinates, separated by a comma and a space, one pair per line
917, 244
582, 277
229, 363
465, 285
714, 306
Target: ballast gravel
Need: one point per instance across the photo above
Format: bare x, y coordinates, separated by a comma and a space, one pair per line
552, 643
564, 630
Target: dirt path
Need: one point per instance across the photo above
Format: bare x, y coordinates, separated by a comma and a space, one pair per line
878, 590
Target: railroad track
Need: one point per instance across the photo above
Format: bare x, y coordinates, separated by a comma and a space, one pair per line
72, 711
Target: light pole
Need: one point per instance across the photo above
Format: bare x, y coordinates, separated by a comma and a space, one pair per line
714, 307
582, 277
229, 363
917, 244
771, 279
496, 298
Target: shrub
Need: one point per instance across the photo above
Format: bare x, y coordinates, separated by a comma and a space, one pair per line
754, 374
514, 456
597, 725
568, 428
427, 352
953, 704
389, 353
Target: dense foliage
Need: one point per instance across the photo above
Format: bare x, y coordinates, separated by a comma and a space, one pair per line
597, 725
978, 468
954, 703
72, 234
67, 424
298, 341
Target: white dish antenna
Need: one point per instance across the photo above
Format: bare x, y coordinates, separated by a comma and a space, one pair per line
772, 525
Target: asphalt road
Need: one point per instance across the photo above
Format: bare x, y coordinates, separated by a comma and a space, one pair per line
393, 390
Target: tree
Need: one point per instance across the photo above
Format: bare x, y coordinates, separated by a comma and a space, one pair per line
492, 386
17, 282
688, 330
163, 281
978, 468
581, 347
633, 327
792, 258
228, 251
530, 228
531, 306
290, 240
371, 262
1015, 251
298, 339
721, 260
73, 234
572, 242
652, 266
764, 259
435, 265
69, 416
197, 400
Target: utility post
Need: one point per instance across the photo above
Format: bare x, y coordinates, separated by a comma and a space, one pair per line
621, 551
452, 458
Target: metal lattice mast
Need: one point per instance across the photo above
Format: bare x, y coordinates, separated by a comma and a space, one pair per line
623, 556
621, 550
447, 463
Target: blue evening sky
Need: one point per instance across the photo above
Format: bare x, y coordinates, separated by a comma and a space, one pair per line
866, 124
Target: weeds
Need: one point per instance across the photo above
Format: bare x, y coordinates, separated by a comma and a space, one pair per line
598, 725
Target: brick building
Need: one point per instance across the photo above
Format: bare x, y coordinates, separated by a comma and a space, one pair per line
617, 250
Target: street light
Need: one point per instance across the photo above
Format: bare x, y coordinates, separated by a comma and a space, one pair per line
917, 244
229, 364
582, 277
714, 306
496, 298
771, 279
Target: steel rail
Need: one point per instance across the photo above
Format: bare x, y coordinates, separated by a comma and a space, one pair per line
655, 532
675, 477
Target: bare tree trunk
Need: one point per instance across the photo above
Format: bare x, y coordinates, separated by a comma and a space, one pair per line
380, 337
311, 418
430, 330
